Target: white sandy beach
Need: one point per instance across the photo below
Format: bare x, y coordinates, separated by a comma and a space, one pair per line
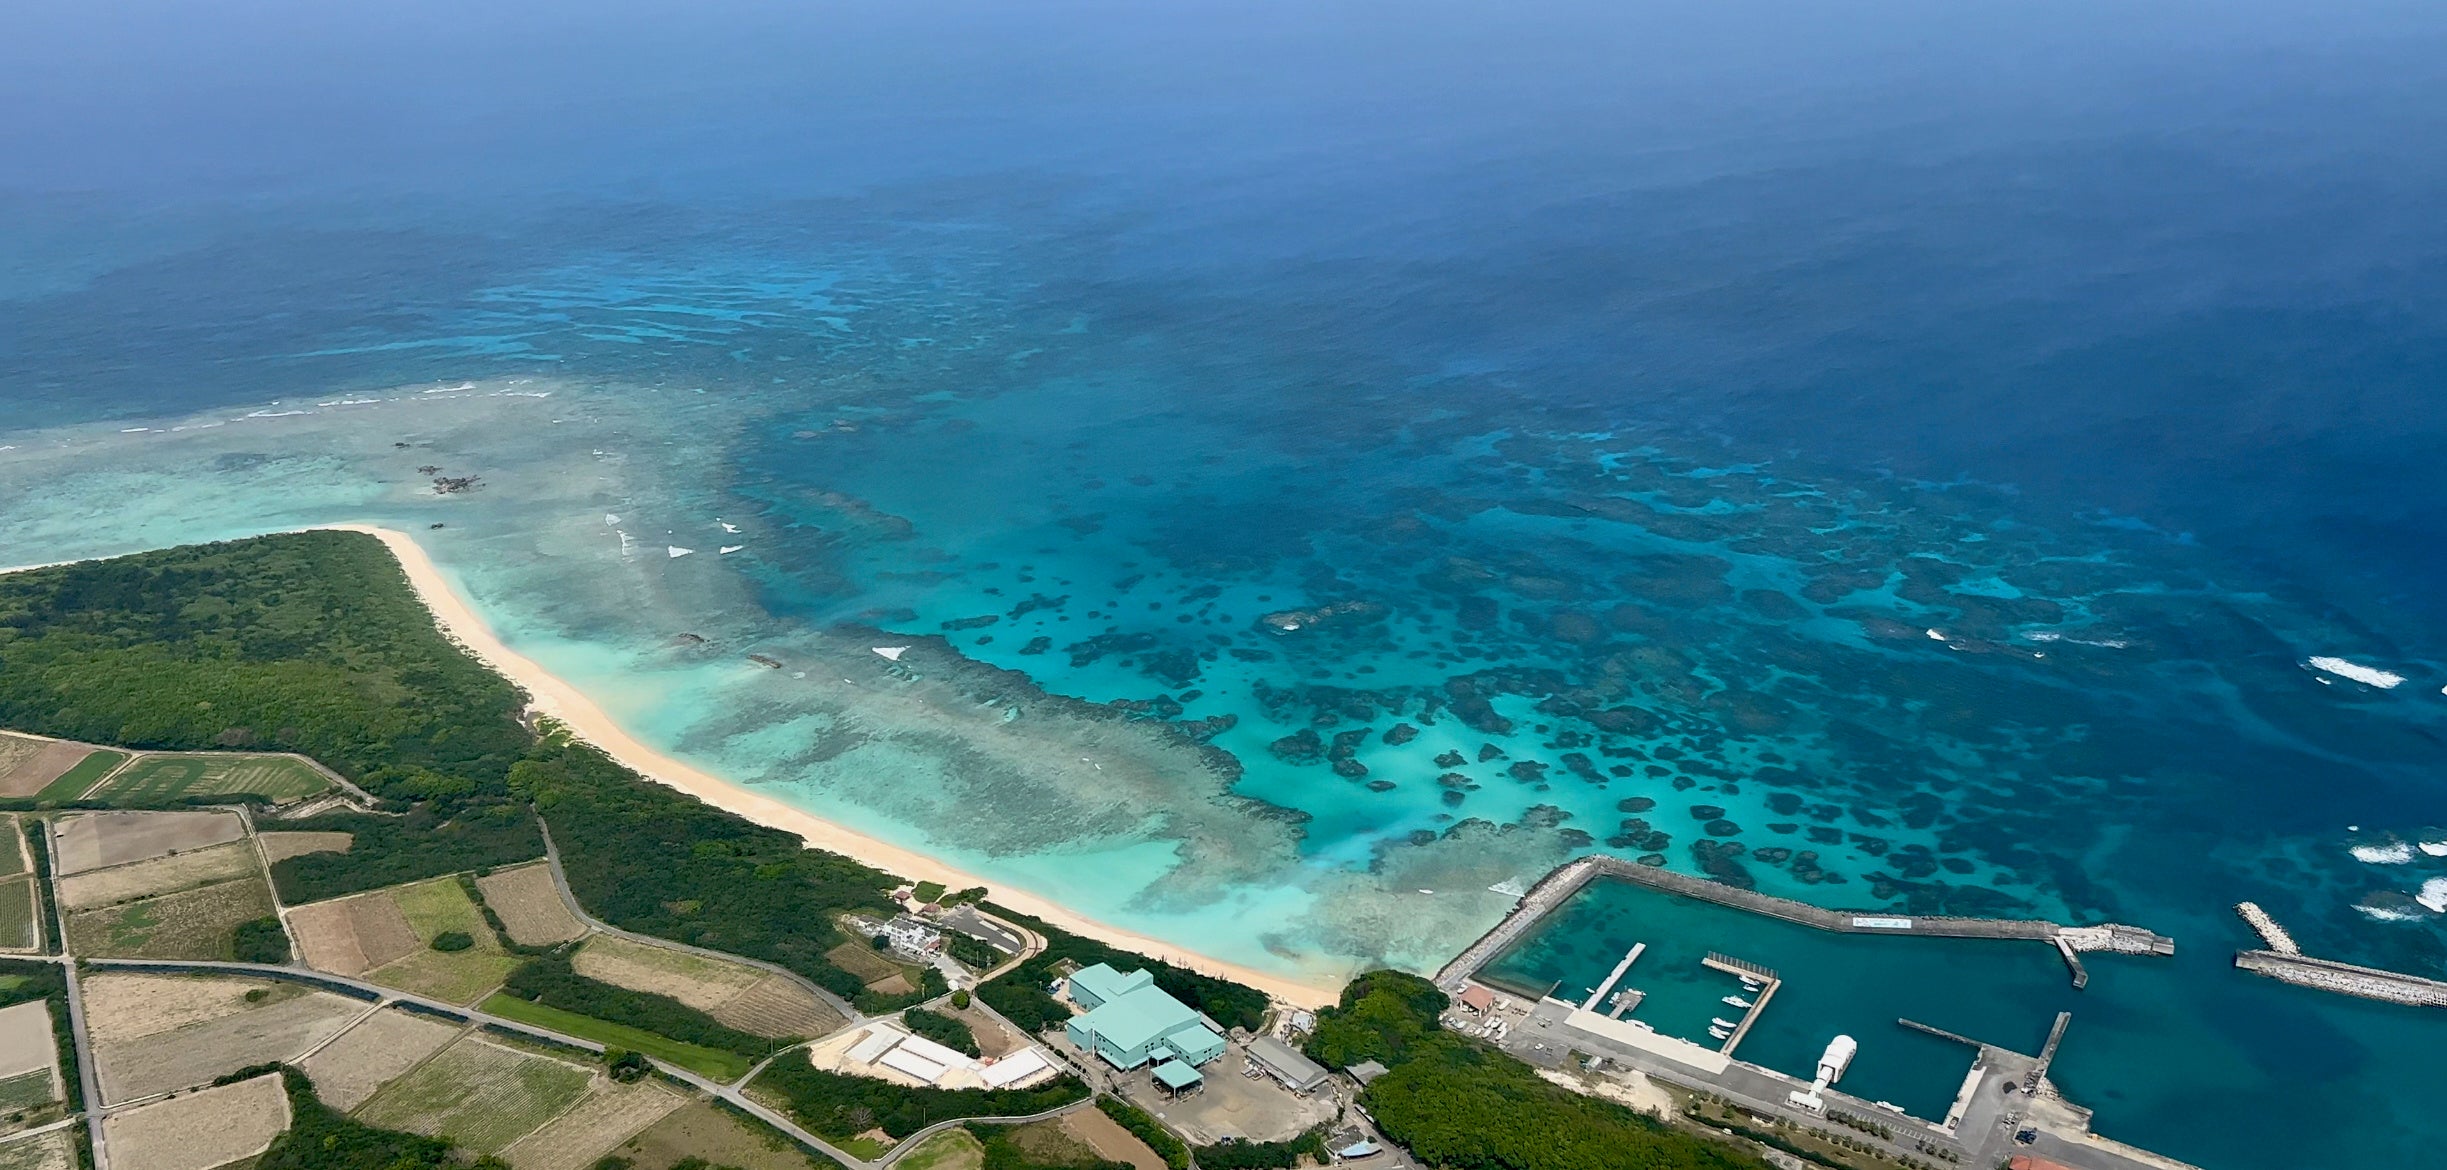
557, 699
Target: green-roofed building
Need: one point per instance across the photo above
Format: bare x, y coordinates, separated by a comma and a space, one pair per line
1130, 1021
1178, 1078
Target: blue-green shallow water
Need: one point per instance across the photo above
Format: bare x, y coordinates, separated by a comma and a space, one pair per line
2246, 1070
1900, 455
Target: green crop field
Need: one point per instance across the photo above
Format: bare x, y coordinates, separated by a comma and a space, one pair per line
706, 1062
73, 782
478, 1094
26, 1090
17, 915
166, 778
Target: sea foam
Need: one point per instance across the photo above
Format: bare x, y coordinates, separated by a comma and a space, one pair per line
2367, 675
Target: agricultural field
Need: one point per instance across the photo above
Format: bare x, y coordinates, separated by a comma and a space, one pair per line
13, 857
707, 1062
200, 1130
881, 974
701, 1129
384, 1045
29, 1066
530, 906
608, 1115
201, 923
95, 840
386, 936
158, 875
353, 935
57, 770
168, 777
19, 929
953, 1149
1110, 1141
156, 1033
479, 1094
49, 1151
279, 845
735, 994
433, 908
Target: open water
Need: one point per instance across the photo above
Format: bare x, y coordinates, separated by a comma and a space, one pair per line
1337, 460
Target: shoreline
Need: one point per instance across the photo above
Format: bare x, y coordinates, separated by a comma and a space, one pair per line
550, 695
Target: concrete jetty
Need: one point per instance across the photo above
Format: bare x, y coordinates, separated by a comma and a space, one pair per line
1598, 993
2268, 930
2345, 978
1768, 980
1567, 879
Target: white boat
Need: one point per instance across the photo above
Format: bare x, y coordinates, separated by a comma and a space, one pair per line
1737, 1001
1722, 1022
1837, 1058
1720, 1033
1889, 1106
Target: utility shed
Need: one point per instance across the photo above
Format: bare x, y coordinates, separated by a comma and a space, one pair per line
1177, 1078
1142, 1025
1285, 1064
1094, 987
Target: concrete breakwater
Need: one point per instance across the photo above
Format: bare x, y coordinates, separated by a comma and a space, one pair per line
1567, 879
2267, 928
2345, 978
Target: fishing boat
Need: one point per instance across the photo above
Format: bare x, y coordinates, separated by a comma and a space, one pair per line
1722, 1022
1737, 1001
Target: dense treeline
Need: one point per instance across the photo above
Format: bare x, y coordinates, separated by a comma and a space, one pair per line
1460, 1105
549, 979
840, 1107
1382, 1013
308, 642
1281, 1155
431, 840
657, 861
321, 1138
1143, 1126
941, 1029
1020, 994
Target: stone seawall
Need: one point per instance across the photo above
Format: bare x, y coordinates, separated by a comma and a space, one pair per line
1565, 880
2345, 978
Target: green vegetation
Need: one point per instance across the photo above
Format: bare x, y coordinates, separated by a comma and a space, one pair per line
307, 642
452, 940
927, 891
17, 913
1039, 1146
430, 841
479, 1094
706, 1062
550, 979
1381, 1015
260, 940
649, 859
73, 782
1168, 1146
624, 1065
1263, 1155
834, 1106
941, 1029
1020, 995
969, 952
1460, 1105
321, 1138
175, 779
38, 847
952, 1149
25, 1091
435, 908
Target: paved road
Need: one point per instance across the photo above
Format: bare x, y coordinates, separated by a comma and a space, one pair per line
560, 881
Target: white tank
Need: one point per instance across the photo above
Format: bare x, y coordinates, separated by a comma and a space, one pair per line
1837, 1058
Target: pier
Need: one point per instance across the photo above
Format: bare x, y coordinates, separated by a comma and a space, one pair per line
1568, 879
1768, 983
1598, 993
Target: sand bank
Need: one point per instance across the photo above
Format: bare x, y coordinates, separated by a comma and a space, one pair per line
557, 699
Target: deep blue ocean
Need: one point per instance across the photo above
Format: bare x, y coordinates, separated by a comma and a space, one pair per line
1897, 455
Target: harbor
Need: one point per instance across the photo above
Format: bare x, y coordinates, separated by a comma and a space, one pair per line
2284, 960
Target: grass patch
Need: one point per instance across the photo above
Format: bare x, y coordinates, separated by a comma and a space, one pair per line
73, 782
953, 1149
837, 1107
705, 1062
26, 1090
201, 923
12, 855
171, 779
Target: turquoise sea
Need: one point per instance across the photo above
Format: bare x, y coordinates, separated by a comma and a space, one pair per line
1337, 461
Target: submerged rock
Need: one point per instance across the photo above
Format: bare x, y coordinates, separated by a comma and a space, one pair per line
1401, 733
1451, 760
1304, 746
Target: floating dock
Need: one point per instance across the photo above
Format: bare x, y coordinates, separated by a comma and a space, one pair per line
1767, 980
1568, 879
